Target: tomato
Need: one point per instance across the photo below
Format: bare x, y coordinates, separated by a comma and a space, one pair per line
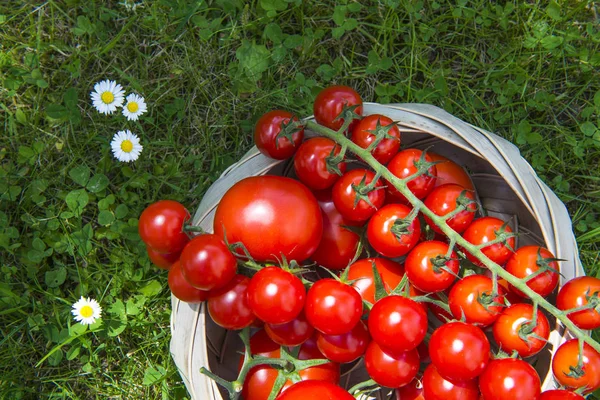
276, 296
330, 102
292, 333
509, 378
524, 262
395, 317
422, 272
576, 293
361, 273
450, 172
472, 297
391, 369
162, 261
412, 391
346, 347
362, 135
265, 213
338, 244
403, 165
445, 199
459, 351
332, 307
558, 394
229, 306
311, 161
346, 191
267, 135
386, 233
483, 230
161, 226
207, 263
512, 322
315, 390
567, 357
435, 387
181, 288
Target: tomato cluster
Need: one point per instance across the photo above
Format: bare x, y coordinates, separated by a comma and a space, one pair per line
424, 317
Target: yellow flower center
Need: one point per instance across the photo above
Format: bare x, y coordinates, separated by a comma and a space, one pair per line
107, 97
126, 146
86, 311
132, 106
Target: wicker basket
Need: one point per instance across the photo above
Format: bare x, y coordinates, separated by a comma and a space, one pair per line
507, 187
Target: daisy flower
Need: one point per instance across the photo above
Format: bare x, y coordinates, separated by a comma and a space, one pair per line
107, 96
134, 107
86, 311
126, 146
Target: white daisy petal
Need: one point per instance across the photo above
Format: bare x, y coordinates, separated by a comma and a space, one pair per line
126, 146
134, 107
107, 96
86, 311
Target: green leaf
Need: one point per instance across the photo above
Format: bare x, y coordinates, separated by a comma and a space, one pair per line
253, 58
121, 211
20, 116
70, 99
273, 5
153, 375
38, 244
77, 200
588, 128
80, 175
106, 202
553, 11
118, 321
552, 42
105, 217
597, 99
98, 183
273, 33
293, 41
151, 289
55, 358
338, 32
326, 72
56, 277
73, 352
56, 111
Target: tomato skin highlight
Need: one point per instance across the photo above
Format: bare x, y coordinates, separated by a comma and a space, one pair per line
391, 369
560, 395
482, 231
266, 130
310, 163
229, 307
464, 299
507, 326
321, 390
162, 261
403, 166
567, 356
361, 272
509, 378
450, 172
573, 294
292, 333
435, 387
330, 102
387, 148
332, 307
207, 263
181, 288
381, 237
443, 200
523, 263
422, 273
344, 195
161, 226
347, 347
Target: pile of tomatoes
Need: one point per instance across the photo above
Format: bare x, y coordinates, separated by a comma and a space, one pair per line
335, 264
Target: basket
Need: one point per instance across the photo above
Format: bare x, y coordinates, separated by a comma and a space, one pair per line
507, 187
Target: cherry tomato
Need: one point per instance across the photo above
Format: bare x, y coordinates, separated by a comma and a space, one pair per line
361, 273
391, 369
276, 296
403, 165
472, 297
509, 378
386, 233
181, 288
412, 391
161, 226
576, 293
445, 199
311, 160
207, 263
292, 333
346, 347
346, 190
162, 261
265, 213
450, 172
426, 264
321, 390
483, 230
558, 394
267, 135
332, 307
229, 306
567, 357
363, 135
435, 387
513, 323
524, 262
459, 351
330, 102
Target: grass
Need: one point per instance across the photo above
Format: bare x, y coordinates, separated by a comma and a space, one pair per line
526, 71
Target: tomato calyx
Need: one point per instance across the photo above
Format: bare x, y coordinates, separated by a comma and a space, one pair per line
402, 226
333, 161
363, 189
502, 236
288, 129
439, 265
380, 132
544, 265
422, 166
348, 115
527, 328
463, 202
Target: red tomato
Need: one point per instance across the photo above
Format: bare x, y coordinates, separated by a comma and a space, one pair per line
332, 307
483, 230
345, 193
422, 272
347, 347
265, 213
511, 323
524, 262
161, 226
459, 351
292, 333
321, 390
444, 200
560, 395
267, 139
311, 160
468, 297
387, 236
229, 306
450, 172
435, 387
276, 296
566, 358
575, 293
395, 317
362, 135
207, 263
403, 165
391, 369
361, 272
412, 391
330, 103
162, 261
509, 378
182, 289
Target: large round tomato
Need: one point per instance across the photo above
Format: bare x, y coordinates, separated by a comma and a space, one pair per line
181, 288
292, 333
435, 387
321, 390
566, 358
311, 163
428, 269
450, 172
509, 378
361, 274
332, 307
346, 347
363, 135
272, 216
459, 351
559, 394
162, 261
483, 230
513, 323
405, 164
207, 263
391, 369
330, 102
386, 233
472, 298
445, 199
349, 200
161, 226
526, 261
576, 293
229, 306
267, 135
